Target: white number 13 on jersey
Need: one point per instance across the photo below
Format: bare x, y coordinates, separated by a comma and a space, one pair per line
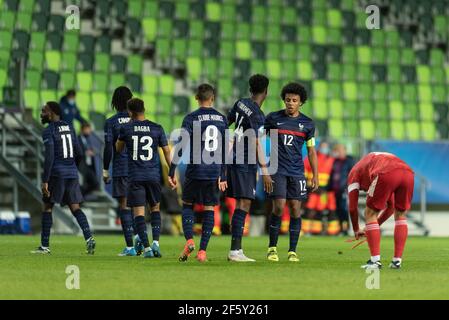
146, 147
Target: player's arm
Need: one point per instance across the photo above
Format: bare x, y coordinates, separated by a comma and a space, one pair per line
186, 129
78, 151
222, 180
120, 143
49, 157
313, 160
107, 152
260, 155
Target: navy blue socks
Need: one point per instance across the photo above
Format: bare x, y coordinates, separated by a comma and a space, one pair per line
156, 225
126, 217
208, 226
275, 225
295, 229
187, 221
141, 229
83, 223
237, 225
47, 221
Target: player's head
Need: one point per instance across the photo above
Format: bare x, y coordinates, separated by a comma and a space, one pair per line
86, 129
120, 97
71, 96
258, 84
135, 107
294, 96
205, 95
50, 112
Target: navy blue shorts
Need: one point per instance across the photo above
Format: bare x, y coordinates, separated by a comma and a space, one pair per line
64, 191
241, 185
291, 188
120, 187
141, 193
203, 192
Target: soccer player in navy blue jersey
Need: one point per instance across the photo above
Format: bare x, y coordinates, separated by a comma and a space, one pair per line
60, 177
242, 174
206, 177
142, 138
119, 164
289, 183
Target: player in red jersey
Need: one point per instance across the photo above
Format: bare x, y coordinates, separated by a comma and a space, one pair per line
388, 182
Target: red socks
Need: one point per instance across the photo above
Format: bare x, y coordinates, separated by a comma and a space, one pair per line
372, 231
400, 236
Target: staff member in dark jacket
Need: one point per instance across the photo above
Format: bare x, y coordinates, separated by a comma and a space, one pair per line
338, 182
70, 109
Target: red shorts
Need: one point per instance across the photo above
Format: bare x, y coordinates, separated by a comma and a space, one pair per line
398, 183
321, 202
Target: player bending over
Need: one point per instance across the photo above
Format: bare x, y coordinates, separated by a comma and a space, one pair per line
142, 137
289, 183
203, 181
386, 179
60, 177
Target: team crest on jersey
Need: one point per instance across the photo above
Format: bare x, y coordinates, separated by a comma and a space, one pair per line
301, 127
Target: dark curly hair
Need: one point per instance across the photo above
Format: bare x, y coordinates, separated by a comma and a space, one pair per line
120, 97
258, 83
295, 88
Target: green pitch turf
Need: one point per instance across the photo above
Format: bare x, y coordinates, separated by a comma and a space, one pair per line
323, 272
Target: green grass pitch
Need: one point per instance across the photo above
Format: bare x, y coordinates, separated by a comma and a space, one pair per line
322, 273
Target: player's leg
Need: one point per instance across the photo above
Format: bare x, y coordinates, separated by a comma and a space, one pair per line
156, 229
47, 221
208, 226
402, 199
84, 225
275, 225
188, 219
295, 228
141, 228
127, 221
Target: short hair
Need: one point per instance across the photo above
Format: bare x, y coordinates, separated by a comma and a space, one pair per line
85, 124
120, 97
70, 93
258, 83
204, 92
135, 105
54, 107
295, 88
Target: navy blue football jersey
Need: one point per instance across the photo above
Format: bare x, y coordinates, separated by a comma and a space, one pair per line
247, 115
142, 139
111, 133
293, 132
212, 125
61, 151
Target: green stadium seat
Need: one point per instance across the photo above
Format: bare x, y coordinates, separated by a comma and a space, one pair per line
3, 78
439, 93
194, 68
71, 41
23, 21
179, 49
243, 50
408, 56
350, 90
166, 121
274, 15
364, 55
410, 93
380, 92
352, 128
334, 18
364, 73
274, 70
225, 88
196, 29
166, 85
150, 103
243, 31
320, 109
394, 91
381, 110
334, 36
425, 93
83, 101
334, 71
367, 129
84, 81
195, 48
68, 61
102, 62
182, 10
319, 34
396, 110
426, 111
423, 73
7, 20
382, 130
49, 95
135, 64
378, 38
39, 22
37, 42
67, 81
334, 90
210, 69
409, 74
50, 80
226, 67
135, 8
228, 49
150, 28
336, 128
392, 38
31, 99
428, 131
258, 32
336, 109
165, 105
304, 70
228, 31
85, 62
259, 14
397, 130
5, 40
100, 102
26, 6
288, 70
437, 75
320, 89
364, 91
35, 60
304, 34
33, 79
378, 56
162, 51
412, 129
394, 73
436, 57
349, 72
393, 56
350, 109
213, 11
182, 105
150, 84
